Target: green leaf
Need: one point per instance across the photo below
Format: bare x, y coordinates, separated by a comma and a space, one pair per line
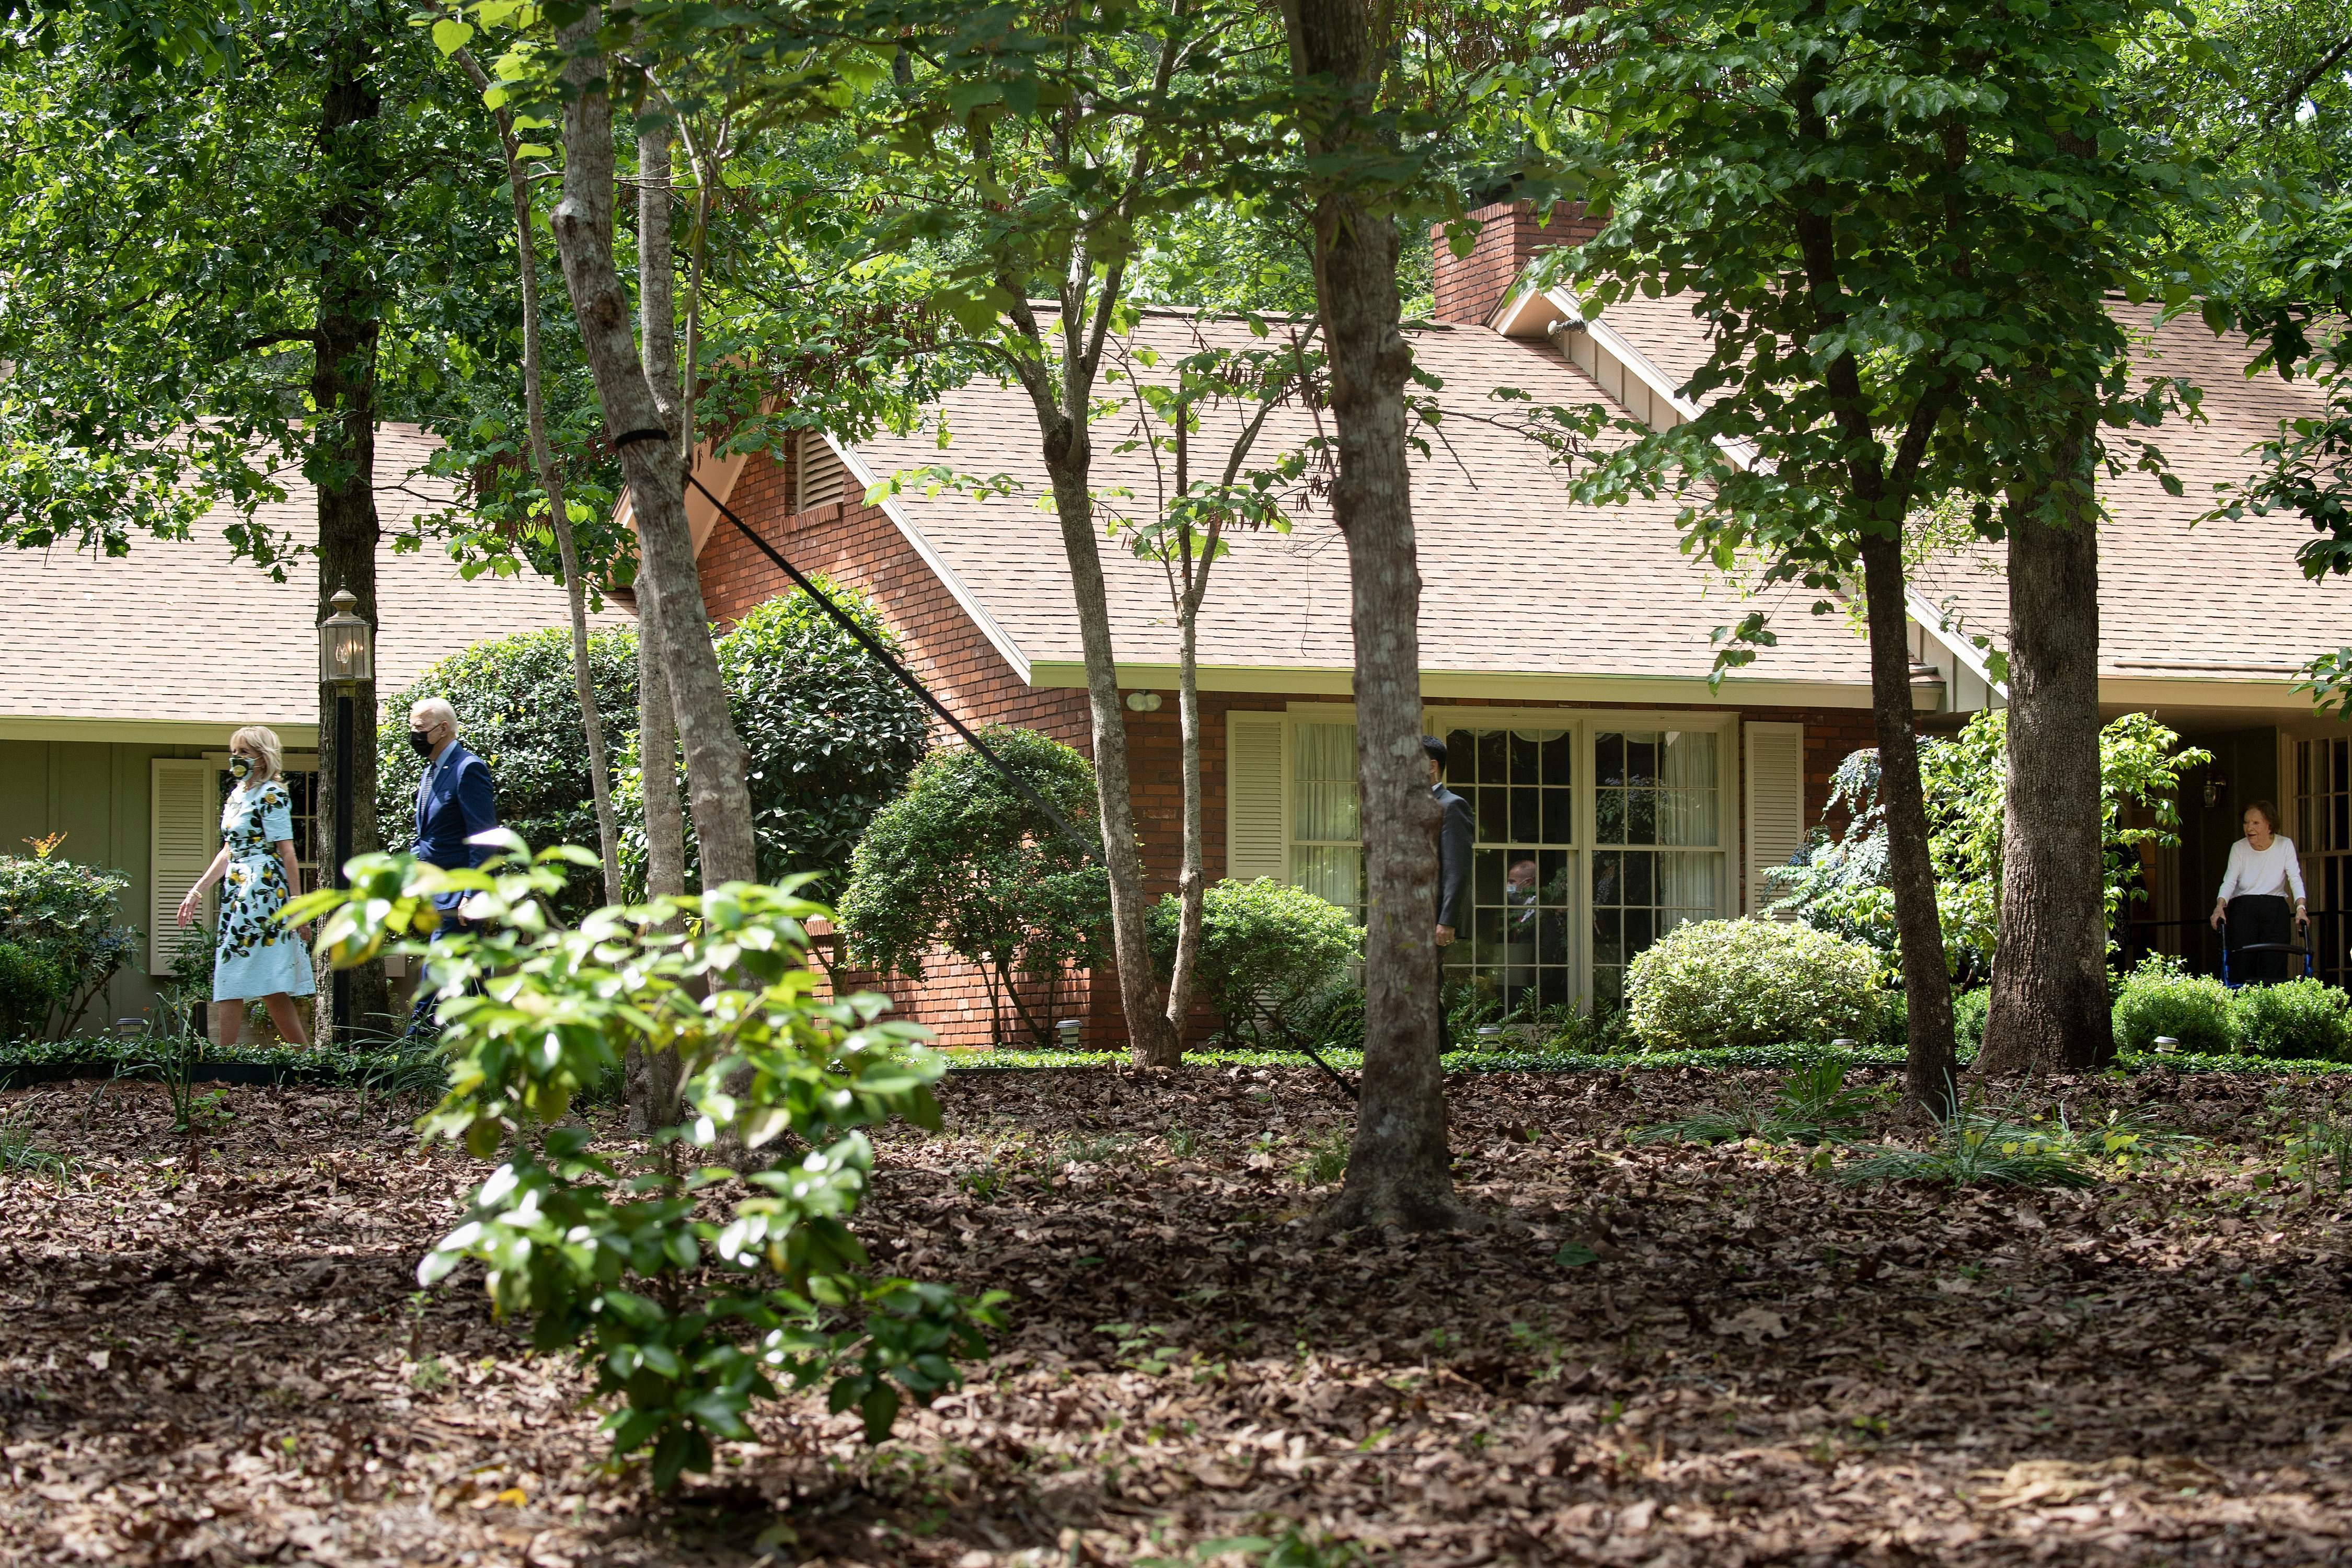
880, 1408
1575, 1255
450, 35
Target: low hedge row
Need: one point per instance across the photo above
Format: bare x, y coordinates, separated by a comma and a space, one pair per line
29, 1062
47, 1061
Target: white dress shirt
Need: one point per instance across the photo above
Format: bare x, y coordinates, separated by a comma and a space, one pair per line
2262, 871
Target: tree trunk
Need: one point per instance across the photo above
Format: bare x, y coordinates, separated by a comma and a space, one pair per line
2050, 1010
1150, 1040
1398, 1167
583, 233
1929, 1067
1192, 882
551, 480
651, 1080
343, 458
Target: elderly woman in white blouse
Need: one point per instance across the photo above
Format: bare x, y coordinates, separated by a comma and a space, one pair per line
2263, 869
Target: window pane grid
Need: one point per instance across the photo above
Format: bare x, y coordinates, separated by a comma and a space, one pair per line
302, 798
1518, 949
1658, 863
2324, 837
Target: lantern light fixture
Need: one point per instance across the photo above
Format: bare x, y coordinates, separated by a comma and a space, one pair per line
346, 644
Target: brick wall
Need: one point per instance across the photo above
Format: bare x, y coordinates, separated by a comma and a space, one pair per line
1469, 288
860, 546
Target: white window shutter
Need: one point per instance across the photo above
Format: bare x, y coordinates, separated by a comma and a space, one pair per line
182, 819
1257, 843
822, 478
1776, 802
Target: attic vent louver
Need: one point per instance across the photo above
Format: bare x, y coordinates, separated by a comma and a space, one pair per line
823, 480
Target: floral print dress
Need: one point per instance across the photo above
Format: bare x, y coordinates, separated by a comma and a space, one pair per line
258, 954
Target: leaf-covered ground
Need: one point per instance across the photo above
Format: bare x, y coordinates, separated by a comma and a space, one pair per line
1661, 1356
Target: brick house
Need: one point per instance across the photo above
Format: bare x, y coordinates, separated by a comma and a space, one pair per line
1566, 648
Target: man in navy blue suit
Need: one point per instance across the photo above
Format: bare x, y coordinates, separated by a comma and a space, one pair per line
455, 801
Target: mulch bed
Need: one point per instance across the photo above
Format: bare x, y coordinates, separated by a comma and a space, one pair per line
227, 1360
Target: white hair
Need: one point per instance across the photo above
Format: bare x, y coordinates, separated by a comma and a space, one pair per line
263, 743
435, 710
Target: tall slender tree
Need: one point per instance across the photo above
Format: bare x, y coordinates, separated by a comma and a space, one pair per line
1341, 52
550, 479
1038, 149
670, 591
1866, 207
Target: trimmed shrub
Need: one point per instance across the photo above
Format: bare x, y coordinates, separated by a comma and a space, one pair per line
2160, 998
519, 710
30, 985
1266, 941
1752, 983
2296, 1020
62, 913
963, 861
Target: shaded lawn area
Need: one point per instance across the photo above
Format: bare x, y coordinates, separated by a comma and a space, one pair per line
1744, 1362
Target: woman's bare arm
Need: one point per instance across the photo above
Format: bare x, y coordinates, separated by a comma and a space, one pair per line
204, 884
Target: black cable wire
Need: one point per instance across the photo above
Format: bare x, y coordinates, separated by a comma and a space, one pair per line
1302, 1046
889, 660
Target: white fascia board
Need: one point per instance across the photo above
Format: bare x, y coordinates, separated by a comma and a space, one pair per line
1436, 685
1938, 626
990, 628
2269, 697
1511, 319
152, 731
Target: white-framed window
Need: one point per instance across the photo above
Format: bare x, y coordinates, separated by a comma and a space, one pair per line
1598, 831
1327, 847
2323, 838
301, 780
1520, 943
1657, 842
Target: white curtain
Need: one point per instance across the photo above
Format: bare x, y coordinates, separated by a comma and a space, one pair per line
1323, 801
1686, 789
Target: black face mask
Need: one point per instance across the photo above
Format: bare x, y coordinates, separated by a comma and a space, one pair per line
422, 741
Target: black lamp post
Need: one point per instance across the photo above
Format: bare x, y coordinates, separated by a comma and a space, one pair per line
346, 662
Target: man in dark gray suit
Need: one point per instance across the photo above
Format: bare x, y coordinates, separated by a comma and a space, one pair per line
1457, 829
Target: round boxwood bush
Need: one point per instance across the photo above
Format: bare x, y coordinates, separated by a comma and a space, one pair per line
2160, 998
963, 861
1265, 940
519, 710
830, 735
1752, 983
2302, 1020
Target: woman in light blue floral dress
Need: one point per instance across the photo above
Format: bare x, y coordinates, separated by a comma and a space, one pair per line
259, 955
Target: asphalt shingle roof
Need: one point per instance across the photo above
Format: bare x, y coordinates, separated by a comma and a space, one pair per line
179, 632
2220, 599
1517, 580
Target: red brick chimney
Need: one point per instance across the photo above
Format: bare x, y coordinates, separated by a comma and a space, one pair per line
1469, 288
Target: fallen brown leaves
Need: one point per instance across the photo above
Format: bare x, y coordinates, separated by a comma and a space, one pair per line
230, 1362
